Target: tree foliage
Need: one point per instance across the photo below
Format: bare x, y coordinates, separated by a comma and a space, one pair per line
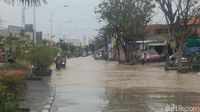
16, 46
69, 49
41, 57
26, 2
125, 16
125, 19
178, 13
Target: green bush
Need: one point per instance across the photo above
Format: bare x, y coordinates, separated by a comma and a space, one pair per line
11, 88
41, 57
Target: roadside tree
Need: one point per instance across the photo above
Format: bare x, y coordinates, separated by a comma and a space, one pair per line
180, 16
125, 20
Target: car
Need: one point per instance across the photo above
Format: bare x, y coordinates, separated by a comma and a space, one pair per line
150, 56
153, 56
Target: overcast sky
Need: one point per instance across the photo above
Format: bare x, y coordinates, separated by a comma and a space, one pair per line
74, 21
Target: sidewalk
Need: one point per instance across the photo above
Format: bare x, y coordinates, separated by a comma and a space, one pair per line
39, 95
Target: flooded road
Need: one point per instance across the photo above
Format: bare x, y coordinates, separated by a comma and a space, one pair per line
88, 85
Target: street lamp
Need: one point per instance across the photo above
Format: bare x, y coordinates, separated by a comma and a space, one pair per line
51, 19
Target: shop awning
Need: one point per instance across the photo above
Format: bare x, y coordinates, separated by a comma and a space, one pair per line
156, 44
193, 42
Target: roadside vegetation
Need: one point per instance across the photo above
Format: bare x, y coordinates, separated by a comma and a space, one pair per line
11, 89
12, 84
41, 58
125, 21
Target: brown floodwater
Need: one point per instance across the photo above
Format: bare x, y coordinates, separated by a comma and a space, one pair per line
88, 85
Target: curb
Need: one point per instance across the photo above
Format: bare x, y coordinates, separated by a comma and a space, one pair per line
48, 106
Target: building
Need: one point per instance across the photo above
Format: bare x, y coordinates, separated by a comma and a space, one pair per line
15, 31
29, 28
158, 35
156, 32
29, 32
155, 38
39, 36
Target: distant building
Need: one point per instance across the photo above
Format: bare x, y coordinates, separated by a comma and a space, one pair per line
155, 38
29, 28
3, 33
157, 32
29, 32
15, 31
39, 36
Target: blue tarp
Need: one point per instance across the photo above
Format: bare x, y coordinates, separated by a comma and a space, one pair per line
190, 50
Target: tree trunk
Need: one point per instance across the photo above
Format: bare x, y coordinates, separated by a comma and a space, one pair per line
117, 50
179, 54
179, 57
127, 53
124, 46
167, 56
127, 57
118, 53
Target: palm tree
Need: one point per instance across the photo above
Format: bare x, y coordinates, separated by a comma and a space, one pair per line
26, 2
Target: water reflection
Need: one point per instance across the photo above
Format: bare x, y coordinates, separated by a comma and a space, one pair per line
87, 85
141, 100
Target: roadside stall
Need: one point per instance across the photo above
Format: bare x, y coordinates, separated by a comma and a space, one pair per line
192, 51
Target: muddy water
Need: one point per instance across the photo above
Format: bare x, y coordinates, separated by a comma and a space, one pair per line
87, 85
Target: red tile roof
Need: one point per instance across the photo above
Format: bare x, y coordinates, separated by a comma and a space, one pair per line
193, 21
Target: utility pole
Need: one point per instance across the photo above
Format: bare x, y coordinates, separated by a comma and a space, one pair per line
51, 20
34, 22
84, 41
68, 46
51, 30
23, 16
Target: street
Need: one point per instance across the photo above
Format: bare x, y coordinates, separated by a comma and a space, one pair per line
45, 62
88, 85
